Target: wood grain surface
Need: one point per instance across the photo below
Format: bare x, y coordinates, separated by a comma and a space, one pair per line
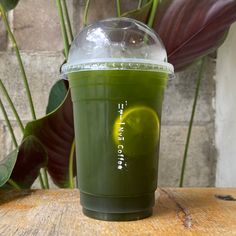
189, 211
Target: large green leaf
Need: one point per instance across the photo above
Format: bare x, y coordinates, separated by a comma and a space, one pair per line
140, 14
191, 29
56, 96
6, 167
56, 133
9, 4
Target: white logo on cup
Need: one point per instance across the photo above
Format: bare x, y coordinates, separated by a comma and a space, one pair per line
121, 163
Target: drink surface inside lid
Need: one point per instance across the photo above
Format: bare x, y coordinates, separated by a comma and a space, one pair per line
117, 44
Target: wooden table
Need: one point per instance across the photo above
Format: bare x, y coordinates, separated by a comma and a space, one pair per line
195, 211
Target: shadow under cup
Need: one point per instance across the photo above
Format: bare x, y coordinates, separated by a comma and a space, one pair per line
117, 115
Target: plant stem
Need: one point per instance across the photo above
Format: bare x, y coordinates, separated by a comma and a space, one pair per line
12, 38
64, 5
200, 75
71, 161
85, 20
140, 3
41, 181
118, 8
153, 13
45, 178
63, 28
25, 80
14, 184
4, 90
8, 124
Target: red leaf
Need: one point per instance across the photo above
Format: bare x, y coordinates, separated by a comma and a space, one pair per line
191, 29
30, 159
56, 133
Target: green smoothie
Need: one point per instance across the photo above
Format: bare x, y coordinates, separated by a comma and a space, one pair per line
117, 116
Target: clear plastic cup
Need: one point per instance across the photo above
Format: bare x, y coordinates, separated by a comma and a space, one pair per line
117, 71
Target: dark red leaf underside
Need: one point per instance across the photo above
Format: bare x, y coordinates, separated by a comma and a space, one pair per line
191, 29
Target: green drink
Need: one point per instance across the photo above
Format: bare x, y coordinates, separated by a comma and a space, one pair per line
117, 113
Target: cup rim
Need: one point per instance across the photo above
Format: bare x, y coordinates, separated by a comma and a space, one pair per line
119, 64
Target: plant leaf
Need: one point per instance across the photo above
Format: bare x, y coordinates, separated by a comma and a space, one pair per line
48, 139
192, 29
23, 165
56, 96
9, 4
140, 14
31, 158
6, 167
56, 133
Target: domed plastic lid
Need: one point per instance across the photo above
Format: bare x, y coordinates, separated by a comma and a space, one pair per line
117, 44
